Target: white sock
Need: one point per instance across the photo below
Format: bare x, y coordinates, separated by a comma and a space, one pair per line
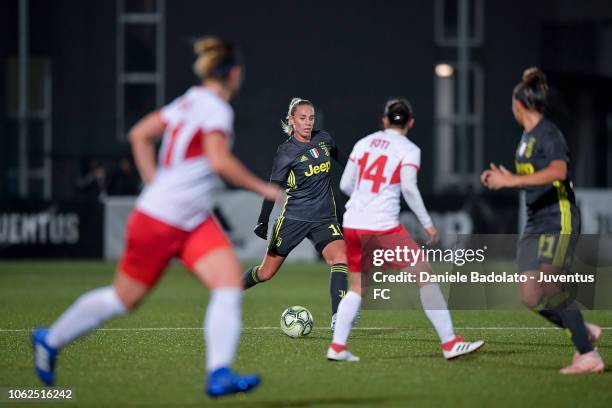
222, 327
436, 309
347, 312
89, 312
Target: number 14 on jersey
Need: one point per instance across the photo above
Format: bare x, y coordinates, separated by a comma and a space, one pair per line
373, 172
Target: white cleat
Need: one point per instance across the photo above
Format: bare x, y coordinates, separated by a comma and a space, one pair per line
459, 347
344, 355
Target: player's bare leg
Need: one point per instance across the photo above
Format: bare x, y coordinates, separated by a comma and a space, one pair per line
261, 273
219, 270
334, 254
130, 291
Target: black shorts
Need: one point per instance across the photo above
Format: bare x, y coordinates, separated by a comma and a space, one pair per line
550, 249
288, 233
550, 238
551, 220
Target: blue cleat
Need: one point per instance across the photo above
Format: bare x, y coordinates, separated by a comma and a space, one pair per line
225, 382
44, 356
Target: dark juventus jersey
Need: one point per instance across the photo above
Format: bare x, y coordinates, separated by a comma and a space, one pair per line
551, 204
304, 170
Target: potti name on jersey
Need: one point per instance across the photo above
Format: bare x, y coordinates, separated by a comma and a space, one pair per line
380, 143
321, 168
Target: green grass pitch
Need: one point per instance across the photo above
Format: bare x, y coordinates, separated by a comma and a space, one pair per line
155, 357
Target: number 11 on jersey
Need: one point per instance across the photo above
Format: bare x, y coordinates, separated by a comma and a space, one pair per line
335, 230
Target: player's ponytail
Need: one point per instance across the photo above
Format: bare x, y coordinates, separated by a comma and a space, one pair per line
398, 111
295, 102
215, 58
532, 91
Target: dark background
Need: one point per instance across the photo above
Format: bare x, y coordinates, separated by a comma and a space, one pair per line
346, 56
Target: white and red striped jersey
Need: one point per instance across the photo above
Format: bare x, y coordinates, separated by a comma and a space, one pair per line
180, 193
372, 179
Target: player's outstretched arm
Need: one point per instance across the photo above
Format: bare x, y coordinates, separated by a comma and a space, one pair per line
223, 161
143, 136
496, 177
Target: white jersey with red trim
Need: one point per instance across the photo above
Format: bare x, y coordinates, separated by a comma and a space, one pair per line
180, 193
373, 171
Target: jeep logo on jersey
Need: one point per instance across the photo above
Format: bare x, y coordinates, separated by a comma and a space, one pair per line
314, 153
321, 168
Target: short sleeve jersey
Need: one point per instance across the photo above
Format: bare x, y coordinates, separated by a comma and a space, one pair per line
304, 170
536, 150
181, 192
375, 201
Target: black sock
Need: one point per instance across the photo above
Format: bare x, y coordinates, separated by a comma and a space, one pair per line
250, 277
552, 316
570, 314
338, 284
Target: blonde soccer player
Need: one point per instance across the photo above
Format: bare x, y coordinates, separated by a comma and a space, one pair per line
302, 165
173, 219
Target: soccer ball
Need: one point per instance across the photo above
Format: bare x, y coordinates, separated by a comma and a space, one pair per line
296, 321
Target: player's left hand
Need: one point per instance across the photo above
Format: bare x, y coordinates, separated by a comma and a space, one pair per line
484, 177
499, 177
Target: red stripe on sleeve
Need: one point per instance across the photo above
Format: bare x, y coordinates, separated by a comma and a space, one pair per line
171, 143
395, 178
196, 146
413, 165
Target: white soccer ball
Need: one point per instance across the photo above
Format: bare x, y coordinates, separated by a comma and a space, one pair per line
296, 321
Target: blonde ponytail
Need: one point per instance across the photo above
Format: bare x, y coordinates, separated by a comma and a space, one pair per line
210, 52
